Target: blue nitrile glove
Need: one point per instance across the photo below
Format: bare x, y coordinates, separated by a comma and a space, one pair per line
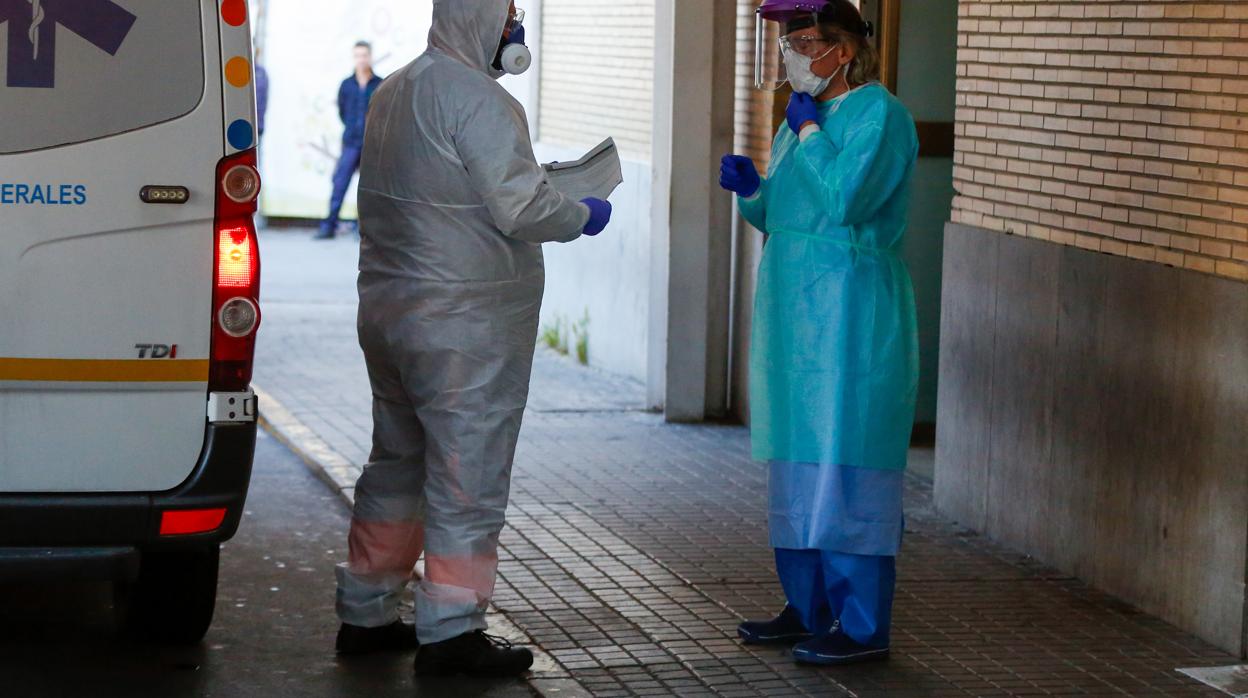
599, 216
738, 174
801, 110
517, 35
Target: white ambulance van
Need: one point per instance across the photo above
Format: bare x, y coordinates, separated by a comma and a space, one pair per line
129, 284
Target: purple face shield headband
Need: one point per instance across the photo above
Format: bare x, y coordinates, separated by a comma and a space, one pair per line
802, 14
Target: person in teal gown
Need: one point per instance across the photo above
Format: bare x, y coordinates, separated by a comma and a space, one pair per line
834, 350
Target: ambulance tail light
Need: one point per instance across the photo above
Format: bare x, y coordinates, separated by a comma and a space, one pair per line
236, 274
191, 522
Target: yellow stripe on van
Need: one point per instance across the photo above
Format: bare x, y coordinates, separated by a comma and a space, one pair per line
104, 371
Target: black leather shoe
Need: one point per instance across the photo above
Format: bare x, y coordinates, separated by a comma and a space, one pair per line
838, 649
396, 637
472, 654
784, 629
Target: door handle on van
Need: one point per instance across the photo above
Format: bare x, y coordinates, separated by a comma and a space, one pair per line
155, 194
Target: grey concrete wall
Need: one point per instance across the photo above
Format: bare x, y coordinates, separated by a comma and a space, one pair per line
1093, 412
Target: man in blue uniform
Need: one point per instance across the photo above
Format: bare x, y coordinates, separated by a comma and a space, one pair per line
354, 95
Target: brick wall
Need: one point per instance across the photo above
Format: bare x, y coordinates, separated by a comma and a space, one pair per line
598, 73
1109, 125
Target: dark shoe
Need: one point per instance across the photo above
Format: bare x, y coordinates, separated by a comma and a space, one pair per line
472, 654
785, 629
837, 649
396, 637
325, 233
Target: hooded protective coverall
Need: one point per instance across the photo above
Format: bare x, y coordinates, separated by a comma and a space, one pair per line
834, 357
453, 210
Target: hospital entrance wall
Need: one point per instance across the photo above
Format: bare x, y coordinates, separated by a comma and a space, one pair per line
605, 279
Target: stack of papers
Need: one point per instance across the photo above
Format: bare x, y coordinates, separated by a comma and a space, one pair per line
594, 176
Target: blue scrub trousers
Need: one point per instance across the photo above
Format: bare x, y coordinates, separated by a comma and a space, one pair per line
348, 164
824, 586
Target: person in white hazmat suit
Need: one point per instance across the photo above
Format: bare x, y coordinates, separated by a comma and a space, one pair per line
453, 209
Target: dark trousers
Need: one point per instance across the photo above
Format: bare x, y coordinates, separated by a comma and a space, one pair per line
347, 166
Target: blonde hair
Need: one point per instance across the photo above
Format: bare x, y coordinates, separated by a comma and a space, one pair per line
865, 67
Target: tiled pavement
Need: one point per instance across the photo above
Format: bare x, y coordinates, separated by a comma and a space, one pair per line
635, 547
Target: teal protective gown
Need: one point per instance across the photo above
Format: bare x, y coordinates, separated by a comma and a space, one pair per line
834, 358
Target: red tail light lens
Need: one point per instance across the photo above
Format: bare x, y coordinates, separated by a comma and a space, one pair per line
236, 275
188, 523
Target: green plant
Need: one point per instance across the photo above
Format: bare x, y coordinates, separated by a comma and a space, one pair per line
552, 333
562, 348
581, 331
563, 336
555, 335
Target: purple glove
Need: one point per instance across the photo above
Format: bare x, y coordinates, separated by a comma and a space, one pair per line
517, 35
801, 110
599, 216
738, 174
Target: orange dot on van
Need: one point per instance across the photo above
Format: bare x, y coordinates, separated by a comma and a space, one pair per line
238, 71
234, 12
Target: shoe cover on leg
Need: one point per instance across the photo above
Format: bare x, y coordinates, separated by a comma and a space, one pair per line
801, 576
461, 559
380, 564
444, 612
469, 378
860, 592
387, 525
368, 601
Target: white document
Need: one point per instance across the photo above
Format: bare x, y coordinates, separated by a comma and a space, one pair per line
594, 176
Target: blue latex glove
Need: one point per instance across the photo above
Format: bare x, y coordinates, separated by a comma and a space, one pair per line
517, 35
599, 216
738, 174
801, 110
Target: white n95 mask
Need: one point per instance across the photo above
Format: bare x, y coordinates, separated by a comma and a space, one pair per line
802, 78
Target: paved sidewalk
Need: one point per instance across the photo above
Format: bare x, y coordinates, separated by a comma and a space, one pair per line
634, 547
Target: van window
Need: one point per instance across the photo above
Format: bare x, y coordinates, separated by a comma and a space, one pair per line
78, 70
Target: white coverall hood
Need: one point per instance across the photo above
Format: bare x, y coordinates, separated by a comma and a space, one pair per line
470, 31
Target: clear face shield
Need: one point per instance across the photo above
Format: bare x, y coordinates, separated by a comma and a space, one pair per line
514, 23
798, 34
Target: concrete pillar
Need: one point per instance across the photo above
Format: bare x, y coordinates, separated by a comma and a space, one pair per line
661, 204
691, 282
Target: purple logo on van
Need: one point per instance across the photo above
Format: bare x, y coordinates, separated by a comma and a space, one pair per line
32, 34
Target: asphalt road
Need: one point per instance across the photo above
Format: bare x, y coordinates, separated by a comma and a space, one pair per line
274, 629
